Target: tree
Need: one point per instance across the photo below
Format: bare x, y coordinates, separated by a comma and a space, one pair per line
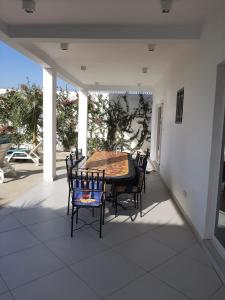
21, 109
67, 119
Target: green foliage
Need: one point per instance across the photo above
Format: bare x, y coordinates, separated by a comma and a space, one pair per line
67, 119
97, 122
113, 125
21, 110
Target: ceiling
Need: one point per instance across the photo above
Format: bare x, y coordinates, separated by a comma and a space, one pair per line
117, 62
106, 12
109, 37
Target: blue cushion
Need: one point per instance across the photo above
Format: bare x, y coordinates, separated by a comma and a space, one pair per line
87, 198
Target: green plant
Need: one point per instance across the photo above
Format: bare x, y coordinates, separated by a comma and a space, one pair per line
21, 111
112, 124
67, 119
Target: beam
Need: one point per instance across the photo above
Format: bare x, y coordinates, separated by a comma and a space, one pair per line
46, 61
116, 88
103, 31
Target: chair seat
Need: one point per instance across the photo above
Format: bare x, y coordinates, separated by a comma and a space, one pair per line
87, 198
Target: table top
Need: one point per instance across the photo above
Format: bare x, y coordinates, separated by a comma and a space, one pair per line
117, 165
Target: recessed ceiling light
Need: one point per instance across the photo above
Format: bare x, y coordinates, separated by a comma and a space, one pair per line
144, 70
166, 6
151, 47
64, 46
83, 68
28, 6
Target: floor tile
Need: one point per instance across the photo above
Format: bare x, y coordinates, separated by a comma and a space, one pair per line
61, 285
220, 295
74, 249
8, 223
15, 240
22, 267
146, 288
117, 232
6, 296
51, 229
198, 253
107, 272
145, 252
188, 276
175, 237
3, 287
156, 215
35, 215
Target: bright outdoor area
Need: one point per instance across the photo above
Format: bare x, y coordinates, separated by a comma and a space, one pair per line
98, 108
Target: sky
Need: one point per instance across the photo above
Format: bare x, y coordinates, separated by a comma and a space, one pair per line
16, 69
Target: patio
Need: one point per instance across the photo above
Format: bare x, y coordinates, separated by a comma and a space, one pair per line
154, 257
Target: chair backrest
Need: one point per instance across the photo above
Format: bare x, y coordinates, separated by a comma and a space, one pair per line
79, 153
142, 161
137, 155
87, 179
147, 152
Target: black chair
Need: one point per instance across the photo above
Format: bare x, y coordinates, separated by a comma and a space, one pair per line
88, 191
72, 160
142, 161
131, 187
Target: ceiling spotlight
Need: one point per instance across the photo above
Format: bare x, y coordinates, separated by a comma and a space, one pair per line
83, 68
166, 6
139, 84
64, 46
144, 70
151, 47
29, 6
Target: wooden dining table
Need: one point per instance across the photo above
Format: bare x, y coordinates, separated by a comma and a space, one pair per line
118, 166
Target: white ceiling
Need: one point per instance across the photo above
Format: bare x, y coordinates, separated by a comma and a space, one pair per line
117, 62
110, 37
106, 12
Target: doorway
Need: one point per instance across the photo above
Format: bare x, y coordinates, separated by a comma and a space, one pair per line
159, 133
215, 226
220, 211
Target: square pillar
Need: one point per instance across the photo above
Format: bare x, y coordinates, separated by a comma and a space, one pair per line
49, 124
83, 122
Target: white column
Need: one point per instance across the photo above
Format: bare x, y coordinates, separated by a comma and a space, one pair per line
49, 123
83, 122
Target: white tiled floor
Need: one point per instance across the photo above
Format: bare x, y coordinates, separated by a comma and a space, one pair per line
155, 257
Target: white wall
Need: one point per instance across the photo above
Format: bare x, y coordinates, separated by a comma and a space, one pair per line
186, 147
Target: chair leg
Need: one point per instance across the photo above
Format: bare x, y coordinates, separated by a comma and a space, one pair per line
72, 215
76, 214
115, 204
100, 227
68, 205
140, 205
103, 217
144, 182
135, 201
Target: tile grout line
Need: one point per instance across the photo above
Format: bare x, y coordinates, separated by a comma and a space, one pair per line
171, 286
65, 266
